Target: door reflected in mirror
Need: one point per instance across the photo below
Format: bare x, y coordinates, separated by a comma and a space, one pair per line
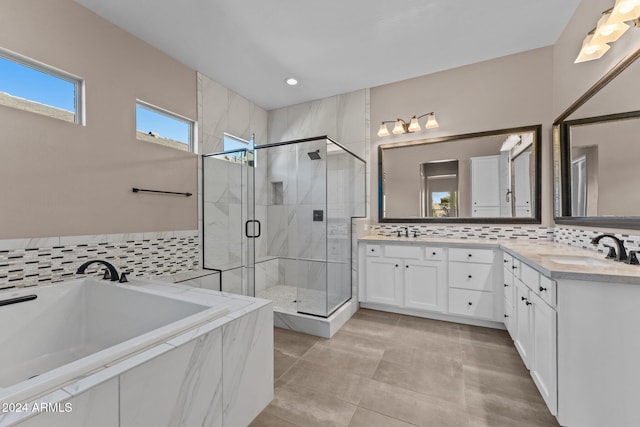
604, 155
481, 177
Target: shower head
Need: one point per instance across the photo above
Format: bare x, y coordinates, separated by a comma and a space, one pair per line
314, 155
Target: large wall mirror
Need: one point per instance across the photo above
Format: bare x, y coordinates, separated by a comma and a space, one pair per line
484, 177
596, 151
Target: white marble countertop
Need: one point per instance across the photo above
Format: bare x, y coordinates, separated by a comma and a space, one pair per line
539, 255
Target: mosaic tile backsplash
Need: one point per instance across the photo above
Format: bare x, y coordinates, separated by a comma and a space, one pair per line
569, 236
467, 232
582, 239
31, 262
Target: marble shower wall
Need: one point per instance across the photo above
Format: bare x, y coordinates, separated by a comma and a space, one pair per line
220, 111
344, 118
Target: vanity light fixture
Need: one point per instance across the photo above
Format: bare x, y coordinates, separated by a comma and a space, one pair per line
610, 27
400, 126
291, 81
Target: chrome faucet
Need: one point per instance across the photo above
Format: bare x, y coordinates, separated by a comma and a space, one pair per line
621, 255
111, 273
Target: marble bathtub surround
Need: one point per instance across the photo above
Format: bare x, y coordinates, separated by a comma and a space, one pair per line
31, 262
180, 381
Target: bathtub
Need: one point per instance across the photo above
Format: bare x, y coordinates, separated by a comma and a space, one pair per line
71, 329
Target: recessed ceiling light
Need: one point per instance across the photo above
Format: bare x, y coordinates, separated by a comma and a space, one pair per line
291, 81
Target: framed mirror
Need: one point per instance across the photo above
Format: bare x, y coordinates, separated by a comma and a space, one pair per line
596, 150
483, 177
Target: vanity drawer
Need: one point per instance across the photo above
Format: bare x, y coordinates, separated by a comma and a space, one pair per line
470, 276
507, 261
471, 303
407, 252
547, 290
373, 250
433, 254
485, 256
529, 277
508, 285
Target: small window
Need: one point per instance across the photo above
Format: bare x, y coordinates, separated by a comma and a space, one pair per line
232, 143
32, 86
163, 127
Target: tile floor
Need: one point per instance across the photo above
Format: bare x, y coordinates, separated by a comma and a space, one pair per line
388, 370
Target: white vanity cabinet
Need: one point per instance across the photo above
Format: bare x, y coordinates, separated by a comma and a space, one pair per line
529, 302
471, 282
509, 273
405, 276
448, 283
384, 280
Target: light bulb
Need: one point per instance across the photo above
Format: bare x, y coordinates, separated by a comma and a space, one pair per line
383, 131
414, 126
398, 129
591, 50
625, 10
608, 31
432, 123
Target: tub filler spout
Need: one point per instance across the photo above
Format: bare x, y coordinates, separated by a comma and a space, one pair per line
112, 272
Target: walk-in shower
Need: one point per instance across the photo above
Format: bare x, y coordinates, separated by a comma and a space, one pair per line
277, 222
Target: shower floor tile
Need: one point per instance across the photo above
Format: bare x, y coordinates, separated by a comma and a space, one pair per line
285, 299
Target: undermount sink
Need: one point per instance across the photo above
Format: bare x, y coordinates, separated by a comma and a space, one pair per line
575, 260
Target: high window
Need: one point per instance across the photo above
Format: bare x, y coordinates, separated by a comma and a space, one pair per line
32, 86
154, 124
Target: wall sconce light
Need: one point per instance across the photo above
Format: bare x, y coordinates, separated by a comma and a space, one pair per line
611, 26
400, 126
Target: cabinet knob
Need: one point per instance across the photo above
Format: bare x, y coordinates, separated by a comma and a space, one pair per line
396, 265
522, 298
469, 276
506, 286
514, 267
470, 303
470, 255
506, 315
505, 261
542, 289
433, 253
373, 250
528, 303
406, 266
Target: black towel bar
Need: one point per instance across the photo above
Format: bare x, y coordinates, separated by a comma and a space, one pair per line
138, 190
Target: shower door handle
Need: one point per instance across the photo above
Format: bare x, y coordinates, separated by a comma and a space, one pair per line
246, 228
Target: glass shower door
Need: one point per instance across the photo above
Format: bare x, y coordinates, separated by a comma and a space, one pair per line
229, 224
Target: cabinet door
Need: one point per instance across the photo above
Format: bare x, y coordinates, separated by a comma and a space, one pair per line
383, 281
522, 310
424, 285
509, 321
544, 366
485, 182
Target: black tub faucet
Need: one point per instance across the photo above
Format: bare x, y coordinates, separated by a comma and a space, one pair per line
113, 273
621, 255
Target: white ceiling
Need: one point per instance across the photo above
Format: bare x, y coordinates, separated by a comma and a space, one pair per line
333, 46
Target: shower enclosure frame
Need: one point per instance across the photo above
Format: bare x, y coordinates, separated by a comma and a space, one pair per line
251, 223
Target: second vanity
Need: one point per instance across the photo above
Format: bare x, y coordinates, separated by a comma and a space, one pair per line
573, 316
